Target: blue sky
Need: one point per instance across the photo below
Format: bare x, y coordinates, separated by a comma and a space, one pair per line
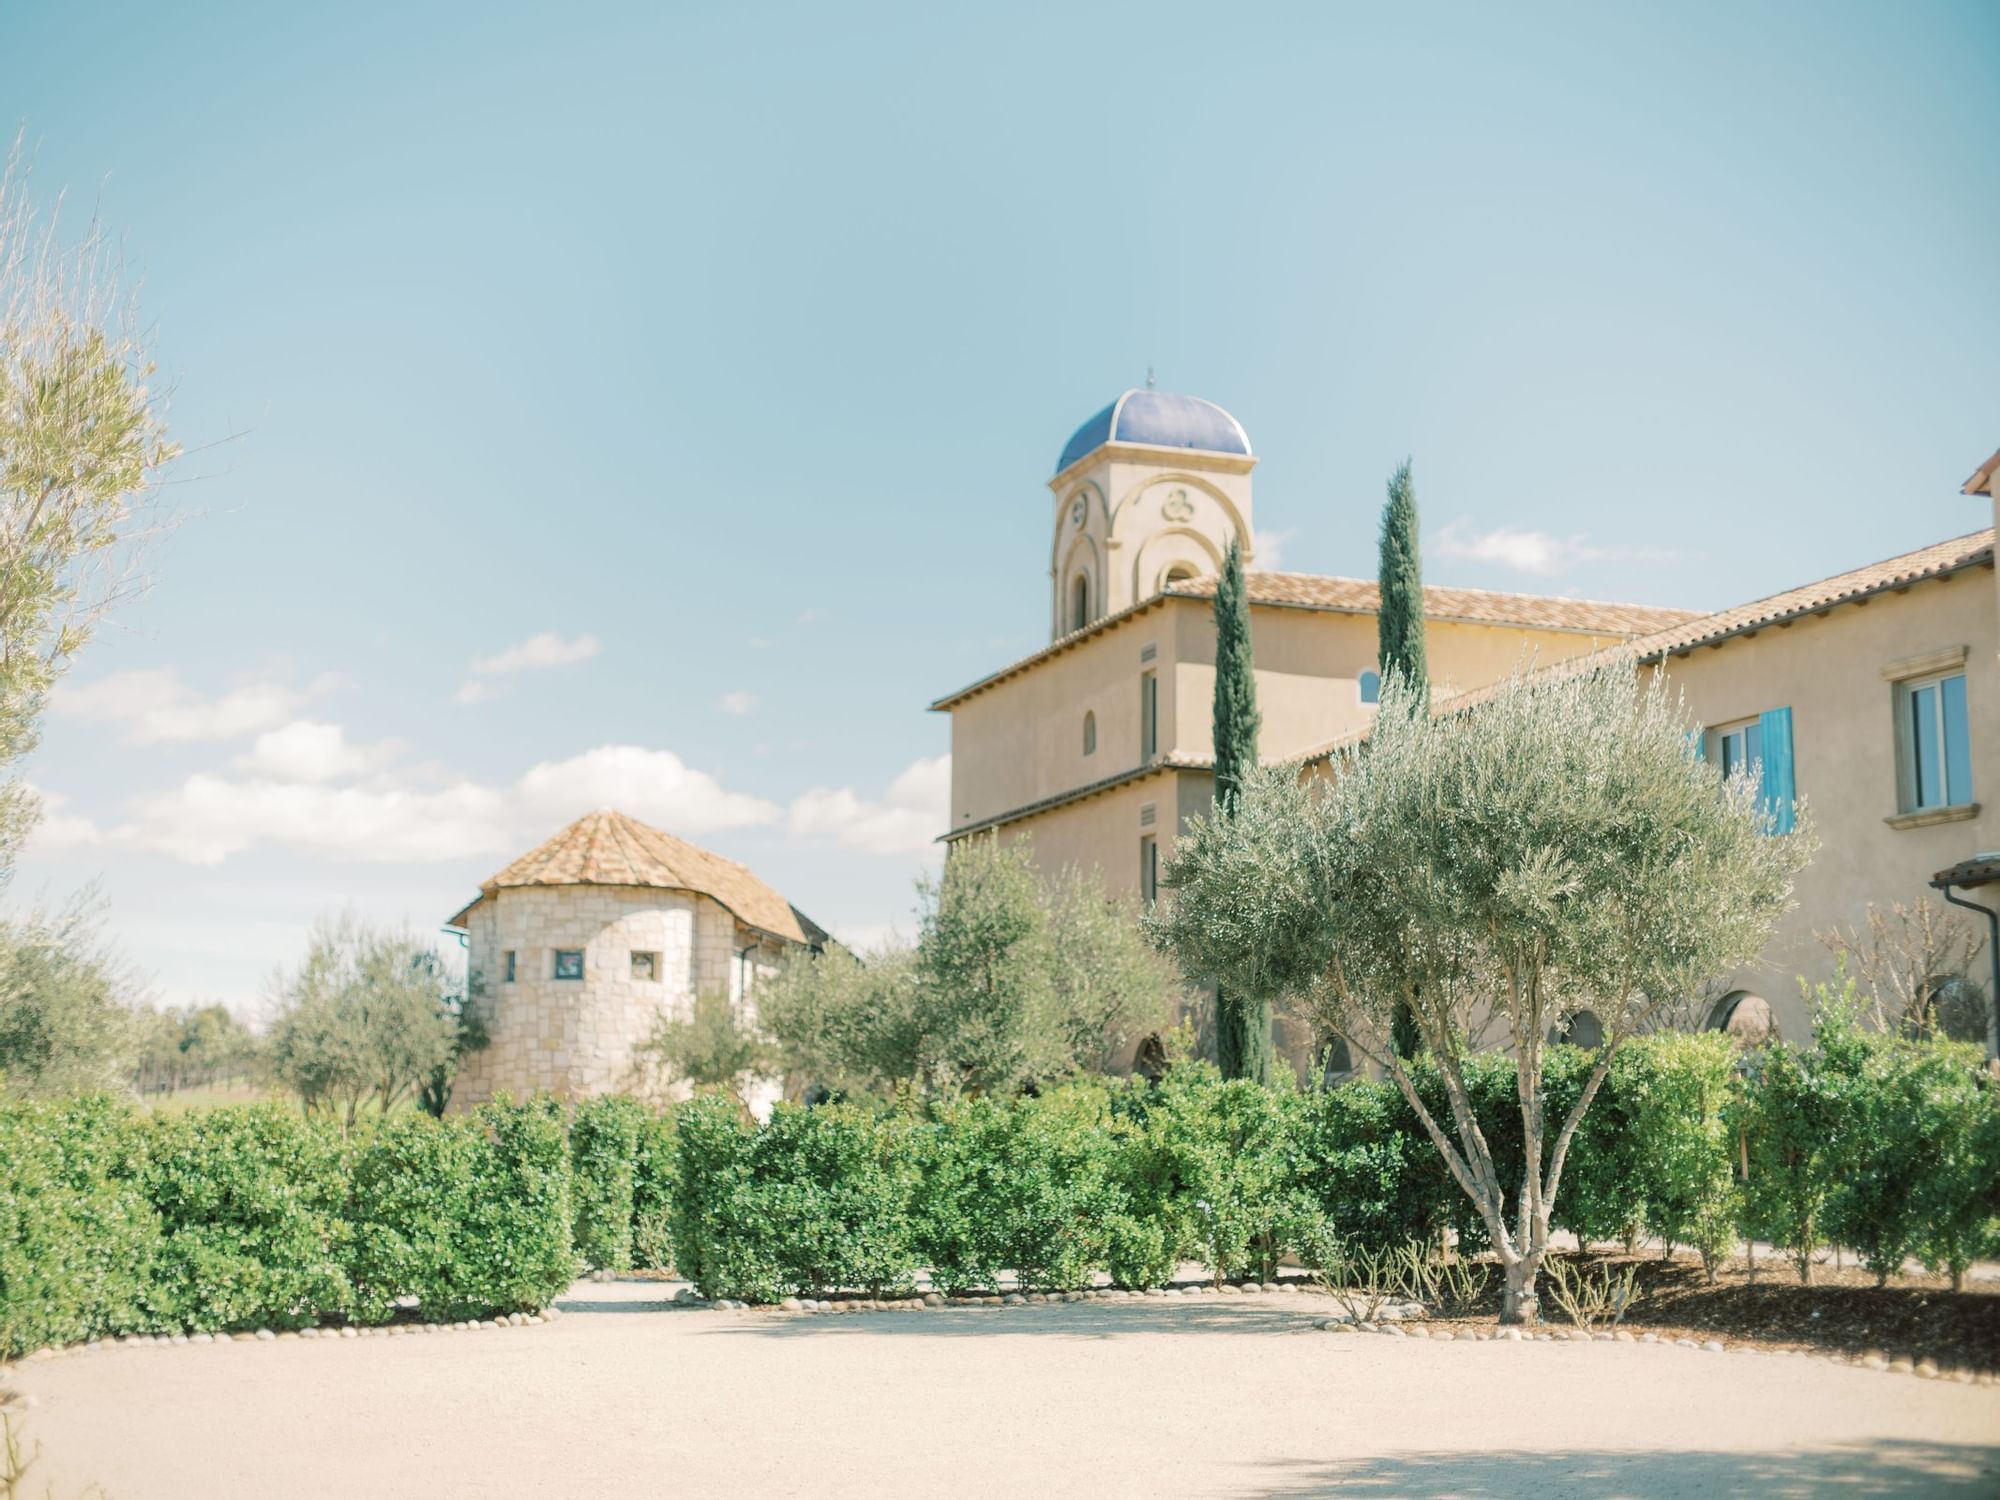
652, 405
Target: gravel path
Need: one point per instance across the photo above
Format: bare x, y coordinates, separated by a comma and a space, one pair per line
621, 1397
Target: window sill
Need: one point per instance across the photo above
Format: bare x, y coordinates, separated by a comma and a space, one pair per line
1931, 815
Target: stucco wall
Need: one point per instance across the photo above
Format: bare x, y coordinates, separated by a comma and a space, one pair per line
574, 1038
1828, 670
1022, 740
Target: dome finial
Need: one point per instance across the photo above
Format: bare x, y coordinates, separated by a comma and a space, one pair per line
1149, 377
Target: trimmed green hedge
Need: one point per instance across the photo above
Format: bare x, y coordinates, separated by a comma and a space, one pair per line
1891, 1147
469, 1215
603, 1153
238, 1217
253, 1217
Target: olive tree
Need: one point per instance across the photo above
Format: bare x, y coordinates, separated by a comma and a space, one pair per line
83, 444
1549, 846
369, 1015
1016, 979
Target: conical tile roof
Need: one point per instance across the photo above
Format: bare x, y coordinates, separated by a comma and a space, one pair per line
610, 848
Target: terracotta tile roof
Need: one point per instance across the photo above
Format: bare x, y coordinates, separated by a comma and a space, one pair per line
609, 848
1361, 596
1892, 574
1456, 606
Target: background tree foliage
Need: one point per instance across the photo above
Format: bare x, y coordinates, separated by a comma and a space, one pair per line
1014, 980
369, 1015
1549, 848
189, 1047
714, 1046
65, 1024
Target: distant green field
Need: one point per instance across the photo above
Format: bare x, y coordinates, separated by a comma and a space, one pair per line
218, 1093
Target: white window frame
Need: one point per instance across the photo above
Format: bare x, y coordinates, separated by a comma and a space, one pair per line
1738, 731
1908, 798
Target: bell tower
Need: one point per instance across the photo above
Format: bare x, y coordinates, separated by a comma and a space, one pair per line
1150, 490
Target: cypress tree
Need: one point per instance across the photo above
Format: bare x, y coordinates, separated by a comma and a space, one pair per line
1399, 622
1399, 636
1242, 1023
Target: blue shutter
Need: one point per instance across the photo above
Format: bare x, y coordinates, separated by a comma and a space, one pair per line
1778, 788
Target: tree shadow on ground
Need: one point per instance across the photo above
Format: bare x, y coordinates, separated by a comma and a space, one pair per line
1069, 1320
1886, 1468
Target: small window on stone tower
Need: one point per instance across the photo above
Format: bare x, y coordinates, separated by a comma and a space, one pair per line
507, 959
1079, 602
569, 963
1371, 687
645, 965
1090, 734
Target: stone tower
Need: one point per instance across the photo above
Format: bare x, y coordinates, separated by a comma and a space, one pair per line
1150, 489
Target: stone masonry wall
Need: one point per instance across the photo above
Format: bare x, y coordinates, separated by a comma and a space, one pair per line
573, 1038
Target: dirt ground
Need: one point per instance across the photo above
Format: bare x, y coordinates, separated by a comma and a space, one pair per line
622, 1397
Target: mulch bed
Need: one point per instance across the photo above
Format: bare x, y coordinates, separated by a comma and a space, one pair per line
1842, 1312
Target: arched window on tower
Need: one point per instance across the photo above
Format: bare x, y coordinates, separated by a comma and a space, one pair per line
1089, 733
1179, 572
1079, 602
1371, 687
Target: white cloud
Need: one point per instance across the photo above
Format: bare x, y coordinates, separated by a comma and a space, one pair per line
907, 820
208, 818
740, 703
536, 653
1268, 548
58, 831
282, 796
545, 650
1535, 552
155, 707
655, 786
306, 750
1540, 553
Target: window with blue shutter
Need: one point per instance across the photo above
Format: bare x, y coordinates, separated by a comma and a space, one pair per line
1761, 748
1778, 787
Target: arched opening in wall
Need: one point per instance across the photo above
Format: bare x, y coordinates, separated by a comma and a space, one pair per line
1955, 1007
1089, 733
1746, 1018
1079, 602
1336, 1062
1179, 572
1371, 687
1150, 1062
1581, 1030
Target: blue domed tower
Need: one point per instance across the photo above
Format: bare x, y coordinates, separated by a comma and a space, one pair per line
1150, 490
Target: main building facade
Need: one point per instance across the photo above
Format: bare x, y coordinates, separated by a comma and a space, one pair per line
1874, 695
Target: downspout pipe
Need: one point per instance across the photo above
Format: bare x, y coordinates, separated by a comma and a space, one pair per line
1992, 952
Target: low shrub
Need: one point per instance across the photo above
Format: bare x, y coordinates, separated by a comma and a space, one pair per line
468, 1215
816, 1200
250, 1203
77, 1236
603, 1152
1025, 1186
653, 1178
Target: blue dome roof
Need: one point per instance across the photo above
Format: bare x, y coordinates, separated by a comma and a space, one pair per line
1165, 420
